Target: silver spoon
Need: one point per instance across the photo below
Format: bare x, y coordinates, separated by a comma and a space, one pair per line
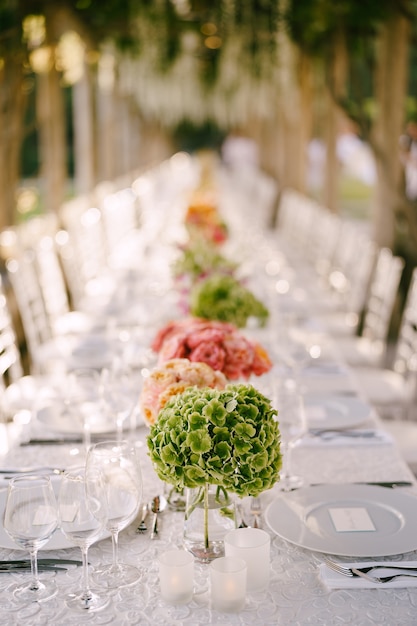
158, 504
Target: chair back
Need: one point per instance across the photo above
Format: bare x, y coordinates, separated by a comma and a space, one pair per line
11, 368
23, 277
405, 358
383, 292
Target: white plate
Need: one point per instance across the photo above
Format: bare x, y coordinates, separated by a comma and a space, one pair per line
335, 411
303, 517
55, 417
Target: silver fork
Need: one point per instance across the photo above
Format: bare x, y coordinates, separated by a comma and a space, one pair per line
142, 528
353, 572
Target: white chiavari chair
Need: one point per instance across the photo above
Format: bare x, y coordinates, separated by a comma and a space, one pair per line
393, 391
371, 346
11, 368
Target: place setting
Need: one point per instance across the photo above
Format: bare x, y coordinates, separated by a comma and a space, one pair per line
85, 505
341, 420
351, 527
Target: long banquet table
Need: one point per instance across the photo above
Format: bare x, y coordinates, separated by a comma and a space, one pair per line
296, 594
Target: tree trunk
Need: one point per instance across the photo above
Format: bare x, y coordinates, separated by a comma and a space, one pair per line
337, 85
84, 135
12, 106
391, 91
52, 141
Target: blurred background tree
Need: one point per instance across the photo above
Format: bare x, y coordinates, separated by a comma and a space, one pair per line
93, 90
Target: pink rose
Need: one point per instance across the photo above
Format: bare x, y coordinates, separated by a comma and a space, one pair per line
210, 353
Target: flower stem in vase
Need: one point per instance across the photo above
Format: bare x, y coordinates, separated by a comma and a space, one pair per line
206, 518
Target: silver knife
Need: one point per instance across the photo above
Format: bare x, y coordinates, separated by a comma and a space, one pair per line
27, 568
50, 561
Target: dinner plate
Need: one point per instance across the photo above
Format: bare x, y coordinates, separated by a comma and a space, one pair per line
60, 419
346, 520
327, 411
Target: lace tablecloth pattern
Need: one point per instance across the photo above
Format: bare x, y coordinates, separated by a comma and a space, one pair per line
295, 594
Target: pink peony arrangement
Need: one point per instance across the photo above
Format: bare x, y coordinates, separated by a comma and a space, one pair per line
219, 344
171, 378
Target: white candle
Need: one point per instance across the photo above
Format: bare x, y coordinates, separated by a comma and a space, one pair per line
176, 576
228, 584
253, 546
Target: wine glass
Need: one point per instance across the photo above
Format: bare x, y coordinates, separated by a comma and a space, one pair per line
292, 425
30, 518
120, 393
82, 520
83, 396
119, 465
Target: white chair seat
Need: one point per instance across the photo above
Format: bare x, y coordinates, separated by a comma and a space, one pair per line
360, 351
383, 387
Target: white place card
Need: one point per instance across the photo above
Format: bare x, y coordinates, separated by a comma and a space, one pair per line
69, 512
351, 519
44, 515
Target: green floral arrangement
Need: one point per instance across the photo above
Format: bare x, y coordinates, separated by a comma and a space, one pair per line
222, 297
199, 258
228, 438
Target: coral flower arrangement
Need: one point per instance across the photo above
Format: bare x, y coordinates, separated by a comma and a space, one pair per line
171, 378
203, 219
229, 438
218, 344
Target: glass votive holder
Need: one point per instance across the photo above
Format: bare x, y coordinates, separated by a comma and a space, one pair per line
253, 546
228, 584
176, 576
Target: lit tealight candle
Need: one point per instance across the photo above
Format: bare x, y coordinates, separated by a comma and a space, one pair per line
176, 576
228, 584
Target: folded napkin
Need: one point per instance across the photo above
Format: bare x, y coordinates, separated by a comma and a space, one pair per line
333, 580
352, 437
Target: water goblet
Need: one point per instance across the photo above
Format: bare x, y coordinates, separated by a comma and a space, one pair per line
82, 520
83, 397
120, 394
292, 425
30, 518
119, 465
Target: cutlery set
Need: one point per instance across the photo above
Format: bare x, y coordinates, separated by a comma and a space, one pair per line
370, 573
156, 506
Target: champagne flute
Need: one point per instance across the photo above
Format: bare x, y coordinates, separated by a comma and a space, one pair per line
30, 518
292, 425
82, 519
119, 465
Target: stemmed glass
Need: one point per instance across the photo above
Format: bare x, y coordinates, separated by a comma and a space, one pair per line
82, 399
120, 393
292, 425
82, 520
119, 465
30, 518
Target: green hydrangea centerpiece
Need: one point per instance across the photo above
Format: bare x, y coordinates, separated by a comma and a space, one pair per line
228, 438
222, 297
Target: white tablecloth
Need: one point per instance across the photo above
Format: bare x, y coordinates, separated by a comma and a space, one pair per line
296, 596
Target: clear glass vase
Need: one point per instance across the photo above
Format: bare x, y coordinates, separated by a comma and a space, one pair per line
176, 499
209, 514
